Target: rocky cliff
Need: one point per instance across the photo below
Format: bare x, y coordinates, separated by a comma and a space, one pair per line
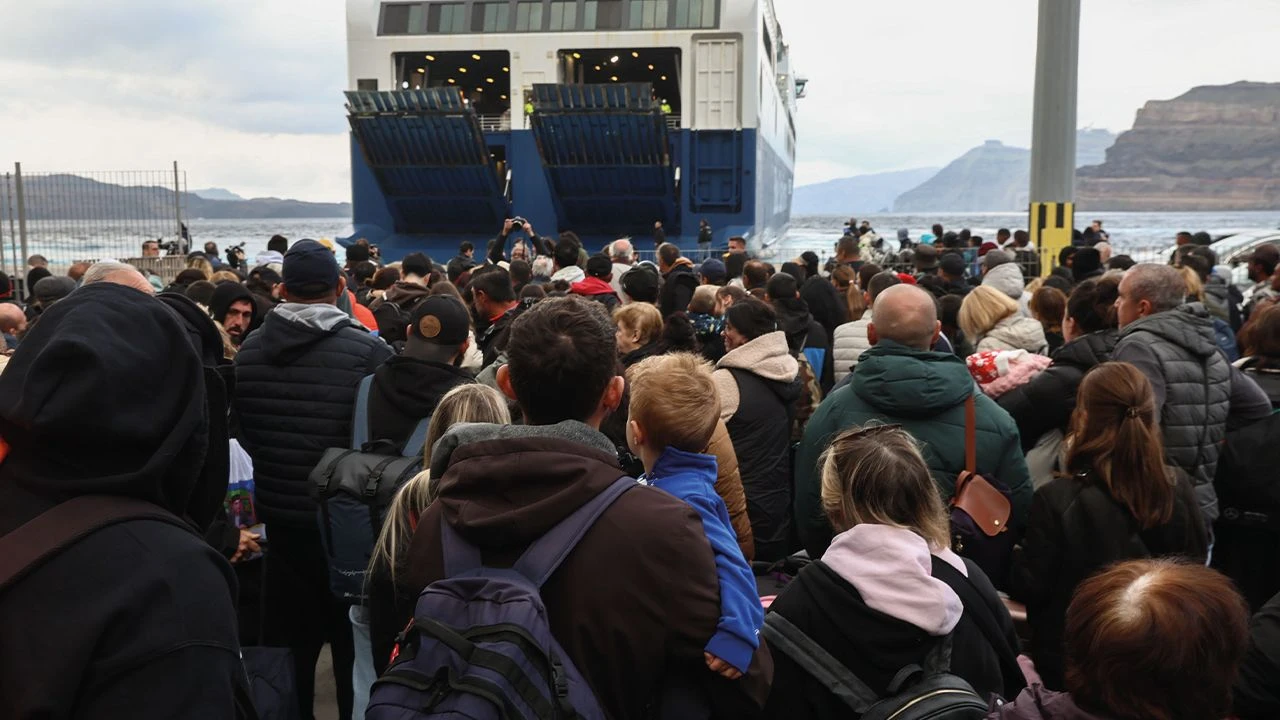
1213, 148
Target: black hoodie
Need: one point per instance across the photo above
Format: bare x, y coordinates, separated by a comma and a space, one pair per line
804, 334
225, 295
107, 396
406, 390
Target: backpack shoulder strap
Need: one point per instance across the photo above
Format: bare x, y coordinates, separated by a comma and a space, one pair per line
547, 552
58, 528
360, 416
817, 662
417, 442
978, 609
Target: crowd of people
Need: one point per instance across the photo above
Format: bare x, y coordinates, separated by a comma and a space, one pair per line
581, 484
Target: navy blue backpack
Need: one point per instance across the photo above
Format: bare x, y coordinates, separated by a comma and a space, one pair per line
480, 644
353, 487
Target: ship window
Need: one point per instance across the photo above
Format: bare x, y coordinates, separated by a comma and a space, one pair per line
603, 15
395, 19
647, 14
695, 13
491, 17
446, 18
529, 15
564, 15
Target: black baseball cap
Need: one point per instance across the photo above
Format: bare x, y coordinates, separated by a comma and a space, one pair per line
713, 270
310, 269
440, 320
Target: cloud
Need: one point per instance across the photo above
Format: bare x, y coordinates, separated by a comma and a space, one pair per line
247, 94
918, 82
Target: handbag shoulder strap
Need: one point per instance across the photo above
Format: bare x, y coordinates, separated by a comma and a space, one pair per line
970, 435
791, 641
978, 609
58, 528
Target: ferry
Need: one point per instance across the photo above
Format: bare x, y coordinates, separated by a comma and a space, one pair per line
601, 117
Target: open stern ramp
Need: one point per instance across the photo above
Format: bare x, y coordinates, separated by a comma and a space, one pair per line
607, 156
428, 153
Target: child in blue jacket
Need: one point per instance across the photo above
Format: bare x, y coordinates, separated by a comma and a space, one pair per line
673, 413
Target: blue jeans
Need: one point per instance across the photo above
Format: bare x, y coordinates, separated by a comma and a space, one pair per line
362, 674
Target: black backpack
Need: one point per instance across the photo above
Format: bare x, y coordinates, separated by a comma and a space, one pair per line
1247, 484
930, 692
353, 487
392, 320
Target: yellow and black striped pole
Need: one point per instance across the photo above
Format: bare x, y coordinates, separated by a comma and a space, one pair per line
1051, 225
1053, 130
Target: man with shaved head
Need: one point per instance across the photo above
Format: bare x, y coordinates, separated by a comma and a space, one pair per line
900, 380
13, 323
1198, 394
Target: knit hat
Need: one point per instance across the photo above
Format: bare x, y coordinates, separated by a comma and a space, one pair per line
713, 270
52, 289
310, 269
599, 266
640, 284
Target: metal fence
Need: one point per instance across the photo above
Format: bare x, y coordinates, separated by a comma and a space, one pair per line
68, 217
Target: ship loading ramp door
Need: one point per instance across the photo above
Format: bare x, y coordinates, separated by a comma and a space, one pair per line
429, 155
607, 157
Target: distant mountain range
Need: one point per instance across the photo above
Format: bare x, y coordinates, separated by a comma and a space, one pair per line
989, 178
857, 195
49, 198
216, 194
992, 177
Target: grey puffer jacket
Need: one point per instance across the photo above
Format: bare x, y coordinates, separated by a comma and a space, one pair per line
849, 344
1195, 390
1015, 333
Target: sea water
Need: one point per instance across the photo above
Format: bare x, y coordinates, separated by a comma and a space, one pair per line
1130, 232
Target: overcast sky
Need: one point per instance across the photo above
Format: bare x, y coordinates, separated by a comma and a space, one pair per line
246, 94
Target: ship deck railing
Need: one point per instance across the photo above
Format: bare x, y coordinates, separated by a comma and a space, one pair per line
673, 122
495, 123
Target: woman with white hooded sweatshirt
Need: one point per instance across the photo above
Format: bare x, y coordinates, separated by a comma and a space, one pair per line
888, 589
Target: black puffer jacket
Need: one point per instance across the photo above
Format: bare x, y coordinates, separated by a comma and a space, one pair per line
296, 381
758, 390
1075, 529
1046, 402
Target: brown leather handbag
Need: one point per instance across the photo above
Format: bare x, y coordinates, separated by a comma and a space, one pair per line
980, 510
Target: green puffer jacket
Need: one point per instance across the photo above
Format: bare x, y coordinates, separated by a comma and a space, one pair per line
925, 392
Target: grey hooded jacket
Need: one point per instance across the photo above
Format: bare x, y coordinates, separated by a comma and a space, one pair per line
1197, 392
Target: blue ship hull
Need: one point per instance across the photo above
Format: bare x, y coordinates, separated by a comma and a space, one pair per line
424, 183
